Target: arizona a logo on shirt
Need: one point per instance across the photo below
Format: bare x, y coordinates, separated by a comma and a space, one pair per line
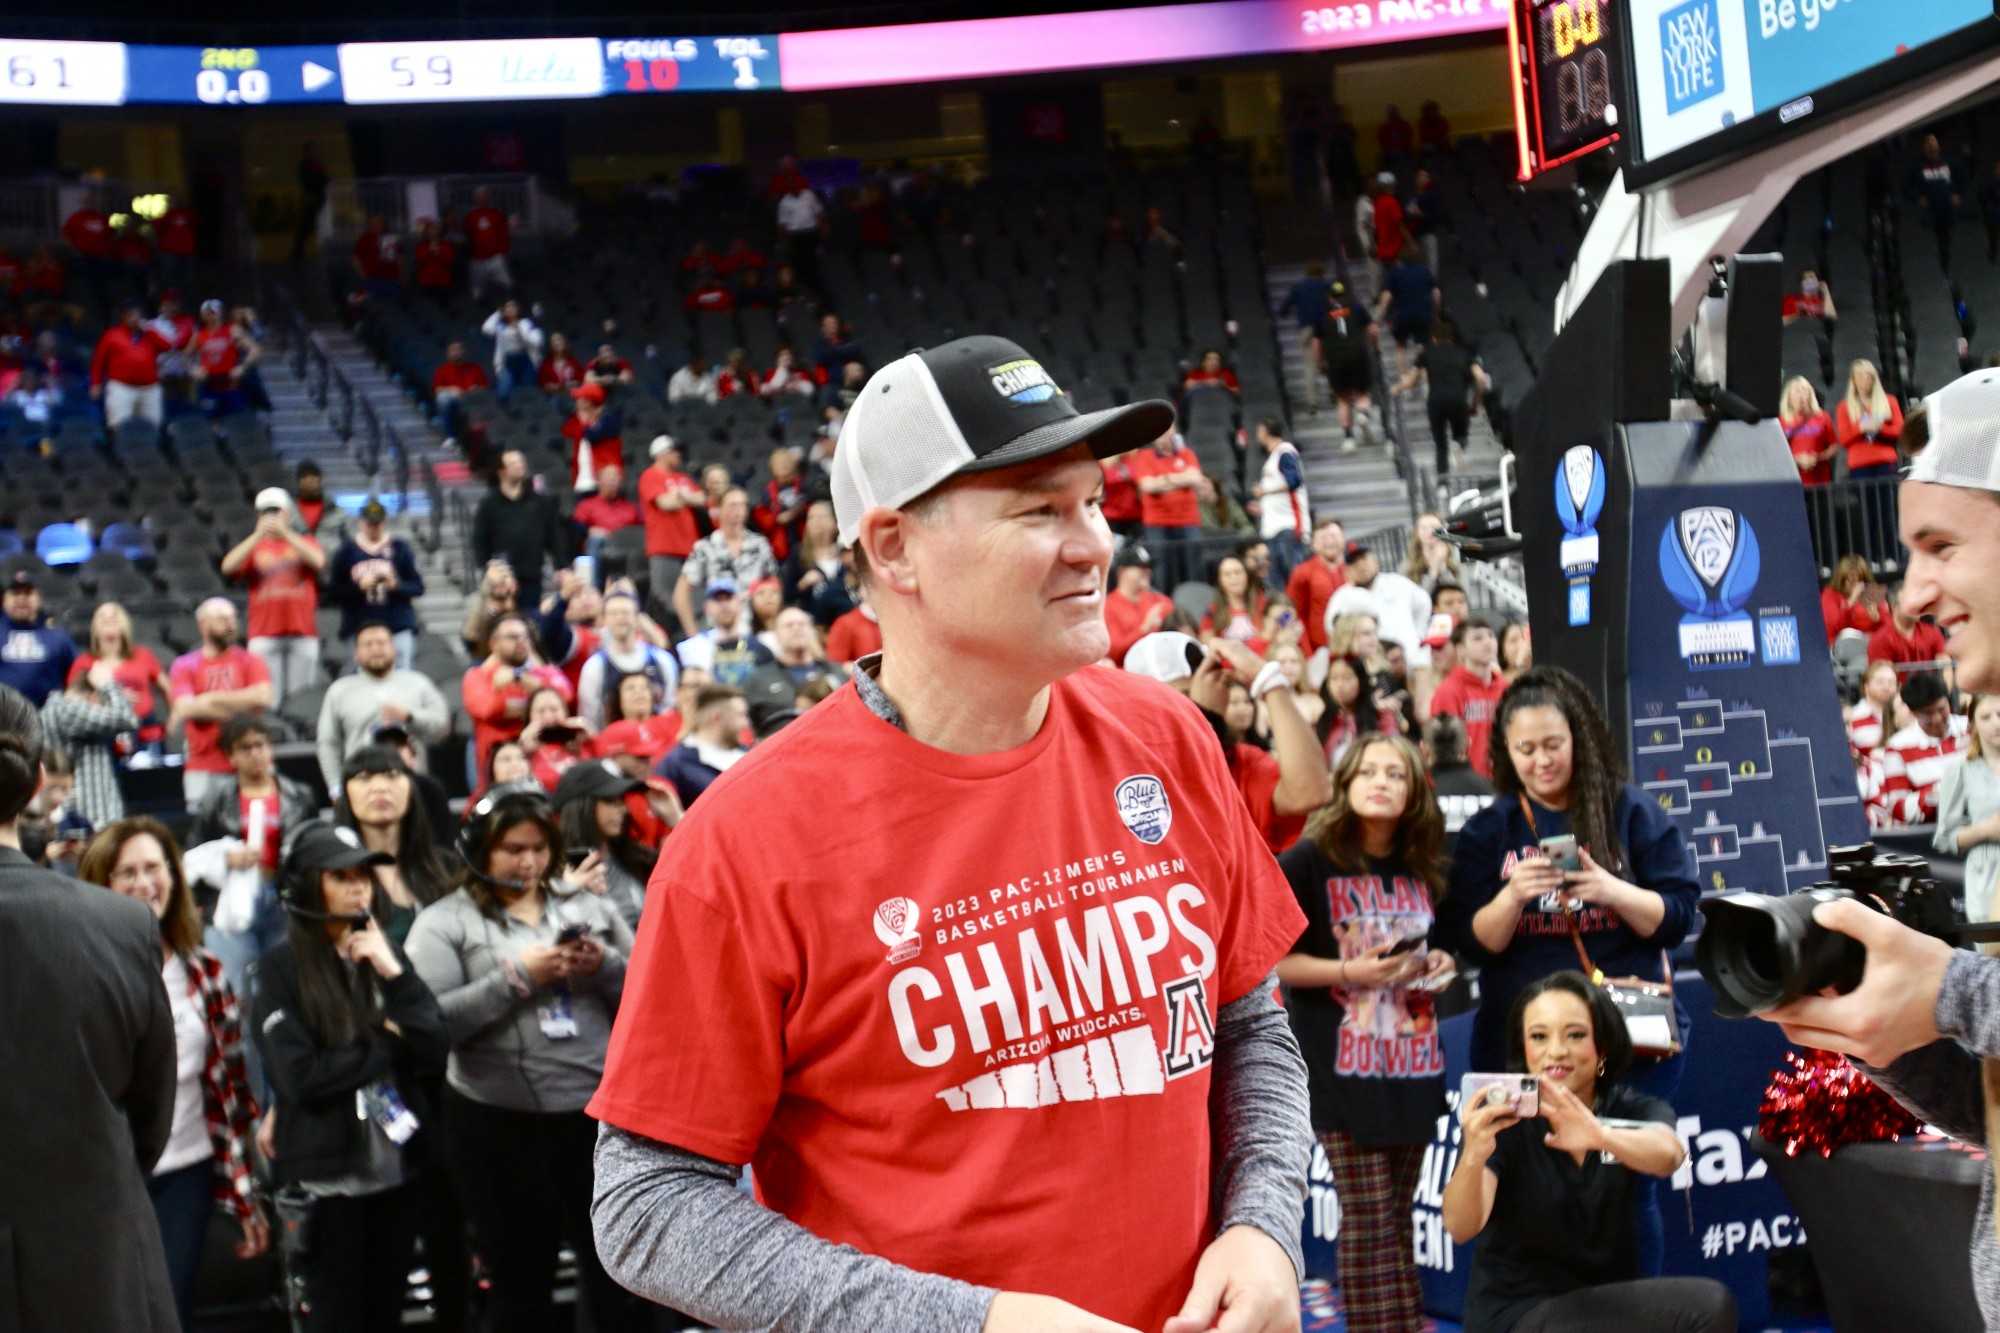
1143, 805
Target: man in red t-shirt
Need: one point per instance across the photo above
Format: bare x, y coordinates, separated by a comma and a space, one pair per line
966, 1064
431, 263
488, 238
125, 369
668, 501
454, 378
1471, 692
377, 259
282, 566
592, 432
496, 691
605, 511
1317, 578
1903, 639
1132, 610
1169, 477
208, 686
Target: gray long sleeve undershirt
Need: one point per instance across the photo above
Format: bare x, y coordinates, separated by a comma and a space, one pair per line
672, 1226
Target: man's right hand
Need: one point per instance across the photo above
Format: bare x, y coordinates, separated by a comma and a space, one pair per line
1024, 1312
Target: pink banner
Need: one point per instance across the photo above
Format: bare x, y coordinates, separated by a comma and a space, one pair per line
979, 48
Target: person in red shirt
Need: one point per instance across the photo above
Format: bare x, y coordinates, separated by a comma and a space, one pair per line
496, 691
737, 376
1169, 477
1471, 692
560, 371
1395, 137
1390, 232
911, 1061
1809, 433
133, 667
223, 354
282, 567
605, 511
1852, 599
377, 259
669, 499
854, 635
1132, 610
608, 370
1317, 578
1813, 300
1120, 505
488, 240
125, 369
1210, 373
594, 441
432, 263
710, 296
207, 687
1905, 639
454, 378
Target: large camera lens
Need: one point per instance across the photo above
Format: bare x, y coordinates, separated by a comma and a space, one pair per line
1759, 952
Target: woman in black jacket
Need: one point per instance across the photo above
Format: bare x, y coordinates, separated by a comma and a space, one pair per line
351, 1036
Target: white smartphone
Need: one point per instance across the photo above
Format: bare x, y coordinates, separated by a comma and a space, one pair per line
1520, 1091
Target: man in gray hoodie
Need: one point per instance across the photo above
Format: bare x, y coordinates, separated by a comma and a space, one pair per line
378, 694
1925, 1020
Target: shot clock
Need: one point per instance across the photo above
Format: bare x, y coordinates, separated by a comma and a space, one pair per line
1571, 87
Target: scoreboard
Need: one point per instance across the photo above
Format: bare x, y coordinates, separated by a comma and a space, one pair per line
1569, 79
542, 68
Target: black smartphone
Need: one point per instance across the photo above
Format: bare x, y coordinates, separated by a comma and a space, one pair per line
1406, 944
571, 933
576, 856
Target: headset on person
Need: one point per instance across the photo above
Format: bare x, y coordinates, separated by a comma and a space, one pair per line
502, 807
298, 892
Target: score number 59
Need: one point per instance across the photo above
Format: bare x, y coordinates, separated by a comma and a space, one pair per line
436, 71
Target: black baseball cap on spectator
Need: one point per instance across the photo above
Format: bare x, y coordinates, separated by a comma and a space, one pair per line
24, 580
374, 511
373, 758
1356, 550
594, 779
322, 847
387, 735
973, 405
1133, 554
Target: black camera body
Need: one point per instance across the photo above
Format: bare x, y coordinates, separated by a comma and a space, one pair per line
1758, 951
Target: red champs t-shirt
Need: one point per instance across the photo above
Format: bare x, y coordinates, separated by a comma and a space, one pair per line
965, 1020
196, 673
284, 593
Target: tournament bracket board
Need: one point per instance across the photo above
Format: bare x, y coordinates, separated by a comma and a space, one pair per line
1734, 723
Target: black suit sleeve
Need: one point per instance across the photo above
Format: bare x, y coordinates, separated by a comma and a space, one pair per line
149, 1101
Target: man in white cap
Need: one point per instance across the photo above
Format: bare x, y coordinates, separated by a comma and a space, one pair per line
281, 565
1926, 1016
996, 1025
1280, 786
668, 499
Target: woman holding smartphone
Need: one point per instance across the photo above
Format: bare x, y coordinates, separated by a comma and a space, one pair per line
1628, 895
527, 965
351, 1036
1554, 1196
1366, 875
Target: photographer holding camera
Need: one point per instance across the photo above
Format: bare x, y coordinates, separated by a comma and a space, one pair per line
1925, 1018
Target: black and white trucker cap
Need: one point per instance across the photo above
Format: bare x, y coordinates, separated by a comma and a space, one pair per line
972, 405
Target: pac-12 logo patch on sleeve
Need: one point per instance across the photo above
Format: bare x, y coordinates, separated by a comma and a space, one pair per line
1143, 805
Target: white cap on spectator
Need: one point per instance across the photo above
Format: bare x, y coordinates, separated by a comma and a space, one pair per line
273, 497
661, 443
1963, 419
1163, 656
973, 405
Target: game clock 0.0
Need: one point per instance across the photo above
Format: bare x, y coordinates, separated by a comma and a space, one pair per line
1572, 84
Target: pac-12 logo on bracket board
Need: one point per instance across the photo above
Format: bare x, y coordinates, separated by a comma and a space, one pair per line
1143, 805
1580, 485
1709, 561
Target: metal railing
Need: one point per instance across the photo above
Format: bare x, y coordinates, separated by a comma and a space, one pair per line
1856, 516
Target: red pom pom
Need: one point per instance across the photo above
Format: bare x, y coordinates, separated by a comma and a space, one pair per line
1822, 1102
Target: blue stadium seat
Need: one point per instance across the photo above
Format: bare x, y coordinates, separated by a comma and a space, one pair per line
63, 544
129, 540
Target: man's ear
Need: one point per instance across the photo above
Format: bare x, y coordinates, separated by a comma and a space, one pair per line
886, 539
